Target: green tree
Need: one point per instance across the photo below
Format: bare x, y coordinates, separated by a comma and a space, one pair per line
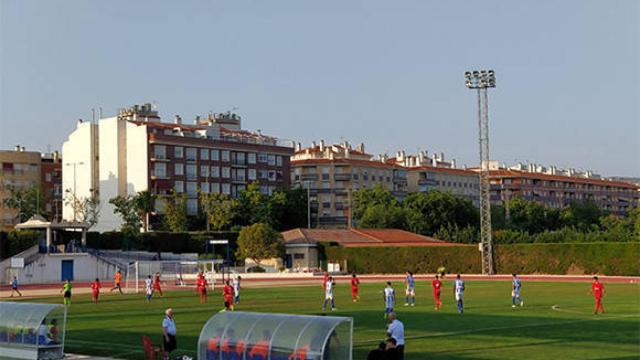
365, 198
259, 242
381, 217
429, 212
527, 216
583, 215
289, 208
27, 201
144, 203
125, 207
220, 209
175, 212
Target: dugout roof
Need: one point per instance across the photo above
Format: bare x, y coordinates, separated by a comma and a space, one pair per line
26, 330
262, 336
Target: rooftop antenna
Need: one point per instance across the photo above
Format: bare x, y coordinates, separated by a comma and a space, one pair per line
93, 115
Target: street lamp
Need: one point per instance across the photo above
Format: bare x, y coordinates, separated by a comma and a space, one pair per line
481, 80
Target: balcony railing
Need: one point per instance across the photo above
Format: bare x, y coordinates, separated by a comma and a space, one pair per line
342, 177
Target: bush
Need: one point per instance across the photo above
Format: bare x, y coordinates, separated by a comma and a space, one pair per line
560, 259
256, 269
17, 241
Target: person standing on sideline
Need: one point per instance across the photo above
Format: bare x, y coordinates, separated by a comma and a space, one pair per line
95, 290
168, 333
410, 289
437, 288
597, 289
458, 291
117, 279
328, 295
515, 292
14, 287
355, 283
395, 330
66, 289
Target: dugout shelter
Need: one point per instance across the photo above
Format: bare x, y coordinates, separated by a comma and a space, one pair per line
32, 330
236, 335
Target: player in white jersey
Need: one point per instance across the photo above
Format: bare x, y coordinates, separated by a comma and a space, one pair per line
148, 287
328, 295
389, 295
515, 292
410, 283
236, 289
458, 291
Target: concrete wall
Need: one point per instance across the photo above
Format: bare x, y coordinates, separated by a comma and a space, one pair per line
48, 269
79, 149
112, 170
137, 158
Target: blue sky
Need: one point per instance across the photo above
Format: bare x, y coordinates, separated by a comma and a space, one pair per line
388, 73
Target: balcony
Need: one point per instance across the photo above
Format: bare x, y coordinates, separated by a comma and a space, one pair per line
342, 177
309, 177
238, 163
427, 182
158, 175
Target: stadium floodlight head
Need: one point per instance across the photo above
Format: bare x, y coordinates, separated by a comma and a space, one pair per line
480, 79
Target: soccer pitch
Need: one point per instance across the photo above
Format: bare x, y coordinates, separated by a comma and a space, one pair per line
556, 321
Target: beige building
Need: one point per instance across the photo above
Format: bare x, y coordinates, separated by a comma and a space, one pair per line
20, 169
333, 172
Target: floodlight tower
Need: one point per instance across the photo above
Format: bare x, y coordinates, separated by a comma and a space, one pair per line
481, 81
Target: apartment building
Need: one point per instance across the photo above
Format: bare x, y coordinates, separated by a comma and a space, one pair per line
333, 172
135, 151
51, 180
558, 188
20, 169
432, 172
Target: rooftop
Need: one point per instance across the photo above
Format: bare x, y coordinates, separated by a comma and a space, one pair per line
360, 237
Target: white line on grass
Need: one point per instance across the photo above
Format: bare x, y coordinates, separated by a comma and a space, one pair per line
472, 331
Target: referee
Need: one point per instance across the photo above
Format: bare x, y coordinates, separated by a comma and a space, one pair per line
168, 333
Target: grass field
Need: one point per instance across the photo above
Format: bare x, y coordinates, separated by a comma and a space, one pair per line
489, 328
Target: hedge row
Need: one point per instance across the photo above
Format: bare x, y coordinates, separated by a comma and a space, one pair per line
159, 241
559, 259
14, 242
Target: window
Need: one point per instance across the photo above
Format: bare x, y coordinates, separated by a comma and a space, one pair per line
47, 177
262, 157
251, 158
240, 158
226, 189
264, 190
272, 175
178, 169
192, 206
204, 154
204, 170
159, 151
325, 176
215, 187
192, 171
271, 160
215, 171
262, 174
178, 186
225, 155
191, 154
215, 155
298, 256
226, 172
178, 152
326, 185
192, 188
204, 187
251, 174
279, 160
355, 176
159, 170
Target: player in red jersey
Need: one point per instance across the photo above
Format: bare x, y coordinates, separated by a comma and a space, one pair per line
156, 283
324, 280
227, 293
437, 288
95, 290
201, 285
355, 282
597, 289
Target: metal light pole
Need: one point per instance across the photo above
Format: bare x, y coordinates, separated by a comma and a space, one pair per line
481, 81
75, 198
